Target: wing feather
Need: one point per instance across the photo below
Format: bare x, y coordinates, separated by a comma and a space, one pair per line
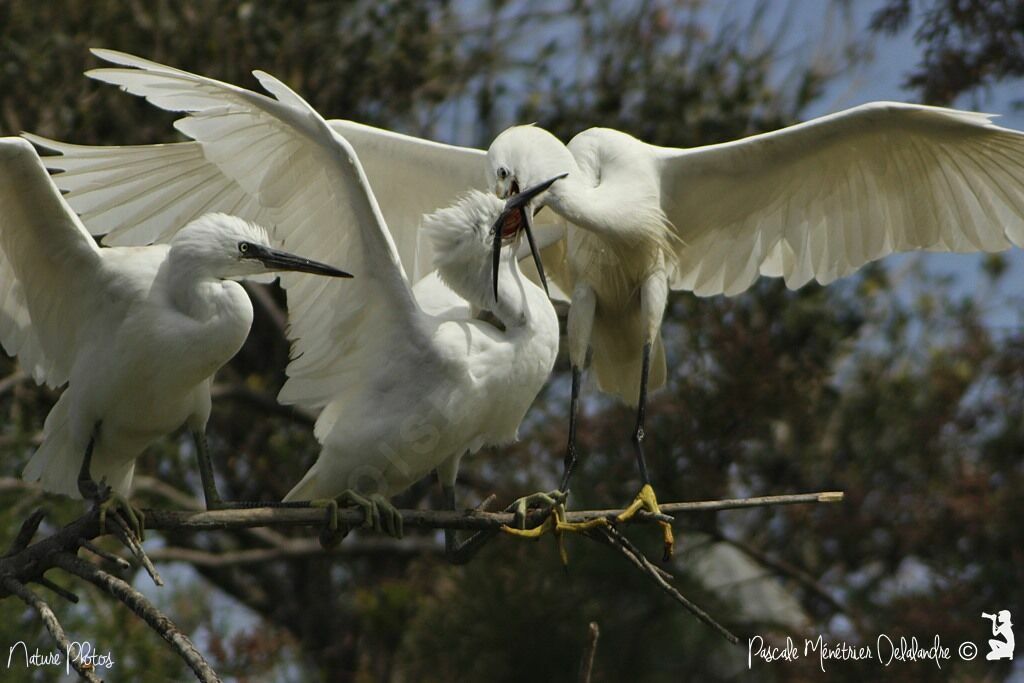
49, 267
311, 183
818, 200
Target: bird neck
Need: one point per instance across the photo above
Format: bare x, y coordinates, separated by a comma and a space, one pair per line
196, 291
577, 199
621, 219
517, 295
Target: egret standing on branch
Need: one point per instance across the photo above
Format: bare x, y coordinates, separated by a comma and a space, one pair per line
408, 379
813, 201
136, 332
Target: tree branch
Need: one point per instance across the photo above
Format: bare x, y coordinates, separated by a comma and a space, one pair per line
474, 520
15, 587
587, 661
26, 562
148, 612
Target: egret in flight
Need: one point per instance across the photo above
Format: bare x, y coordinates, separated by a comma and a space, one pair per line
135, 332
408, 378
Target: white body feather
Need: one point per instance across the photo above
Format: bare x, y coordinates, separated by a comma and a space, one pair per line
408, 380
813, 201
136, 332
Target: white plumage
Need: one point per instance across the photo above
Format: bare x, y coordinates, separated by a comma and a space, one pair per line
813, 201
408, 379
422, 389
135, 332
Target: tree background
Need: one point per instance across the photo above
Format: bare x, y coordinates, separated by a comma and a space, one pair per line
893, 386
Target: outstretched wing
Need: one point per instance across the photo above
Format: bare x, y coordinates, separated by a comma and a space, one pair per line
412, 177
820, 199
145, 193
50, 268
136, 195
307, 178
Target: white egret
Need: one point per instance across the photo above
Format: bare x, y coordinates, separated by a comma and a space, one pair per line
813, 201
409, 380
135, 332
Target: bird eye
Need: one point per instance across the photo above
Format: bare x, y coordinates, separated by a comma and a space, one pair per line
502, 173
243, 247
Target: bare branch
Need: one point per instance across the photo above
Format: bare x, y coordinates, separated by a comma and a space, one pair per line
27, 531
785, 569
266, 403
439, 519
15, 587
59, 590
127, 536
357, 547
119, 562
148, 612
587, 663
648, 569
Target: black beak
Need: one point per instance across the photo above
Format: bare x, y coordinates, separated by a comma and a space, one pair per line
514, 217
275, 259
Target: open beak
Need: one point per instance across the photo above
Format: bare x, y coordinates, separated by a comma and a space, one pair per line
275, 259
514, 217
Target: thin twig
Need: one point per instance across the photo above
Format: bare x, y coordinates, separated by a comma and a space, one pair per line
137, 602
649, 570
261, 401
127, 536
119, 562
27, 531
790, 571
59, 590
15, 587
587, 662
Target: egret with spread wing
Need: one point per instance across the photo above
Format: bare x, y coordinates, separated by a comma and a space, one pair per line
816, 200
813, 201
135, 332
408, 379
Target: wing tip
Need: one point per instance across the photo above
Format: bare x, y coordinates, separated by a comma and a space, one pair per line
14, 146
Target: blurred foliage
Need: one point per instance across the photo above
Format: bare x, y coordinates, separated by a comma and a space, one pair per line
886, 386
967, 44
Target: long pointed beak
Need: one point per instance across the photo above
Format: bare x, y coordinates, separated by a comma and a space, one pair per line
517, 209
275, 259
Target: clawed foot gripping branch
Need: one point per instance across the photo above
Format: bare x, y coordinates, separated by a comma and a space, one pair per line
27, 562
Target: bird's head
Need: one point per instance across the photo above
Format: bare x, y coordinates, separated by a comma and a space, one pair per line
524, 156
229, 247
470, 236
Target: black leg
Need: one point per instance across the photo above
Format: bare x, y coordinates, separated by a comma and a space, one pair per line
103, 497
574, 407
638, 433
89, 489
454, 551
213, 499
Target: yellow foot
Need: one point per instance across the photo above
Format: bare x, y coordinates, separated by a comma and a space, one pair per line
646, 500
133, 517
555, 523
